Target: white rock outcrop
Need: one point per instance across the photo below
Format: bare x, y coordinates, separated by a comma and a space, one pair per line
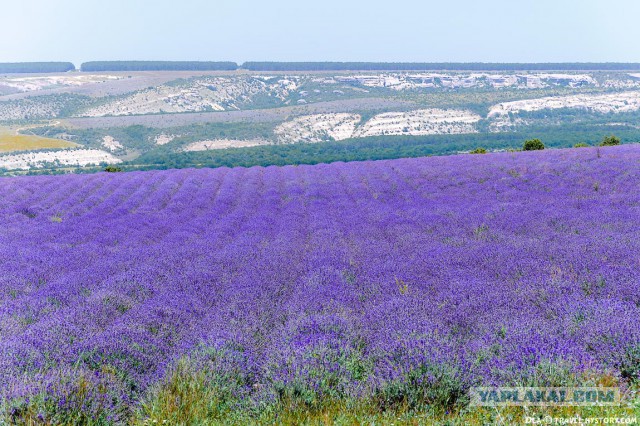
318, 128
419, 122
111, 144
67, 157
222, 144
602, 103
340, 126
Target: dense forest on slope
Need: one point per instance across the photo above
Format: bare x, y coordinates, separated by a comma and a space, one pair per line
377, 148
157, 66
35, 67
435, 66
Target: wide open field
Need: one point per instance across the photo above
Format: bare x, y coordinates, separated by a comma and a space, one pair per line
10, 141
374, 289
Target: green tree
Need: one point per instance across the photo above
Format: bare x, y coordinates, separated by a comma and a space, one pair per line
610, 141
533, 145
478, 151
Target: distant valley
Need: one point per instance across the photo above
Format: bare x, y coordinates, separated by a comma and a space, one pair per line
142, 118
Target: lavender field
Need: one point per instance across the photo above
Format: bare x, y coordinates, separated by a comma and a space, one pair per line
401, 282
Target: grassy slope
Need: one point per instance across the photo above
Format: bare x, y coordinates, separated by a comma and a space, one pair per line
189, 397
10, 142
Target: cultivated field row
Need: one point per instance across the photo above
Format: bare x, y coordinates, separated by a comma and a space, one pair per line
346, 281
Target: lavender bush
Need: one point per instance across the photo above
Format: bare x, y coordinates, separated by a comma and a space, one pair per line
401, 282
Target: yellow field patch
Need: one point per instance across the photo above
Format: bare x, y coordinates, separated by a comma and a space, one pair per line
10, 141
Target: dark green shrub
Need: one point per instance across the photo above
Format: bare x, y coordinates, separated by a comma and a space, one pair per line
439, 388
581, 145
630, 364
112, 169
533, 145
478, 151
610, 141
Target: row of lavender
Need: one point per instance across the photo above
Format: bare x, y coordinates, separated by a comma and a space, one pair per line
331, 278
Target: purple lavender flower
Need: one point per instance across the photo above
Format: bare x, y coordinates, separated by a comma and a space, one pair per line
345, 279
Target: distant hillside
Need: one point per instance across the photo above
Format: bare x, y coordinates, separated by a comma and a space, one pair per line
157, 66
435, 66
35, 67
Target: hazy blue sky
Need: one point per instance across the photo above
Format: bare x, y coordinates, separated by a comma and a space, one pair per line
340, 30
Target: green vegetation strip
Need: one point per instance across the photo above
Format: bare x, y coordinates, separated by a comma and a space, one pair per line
377, 148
